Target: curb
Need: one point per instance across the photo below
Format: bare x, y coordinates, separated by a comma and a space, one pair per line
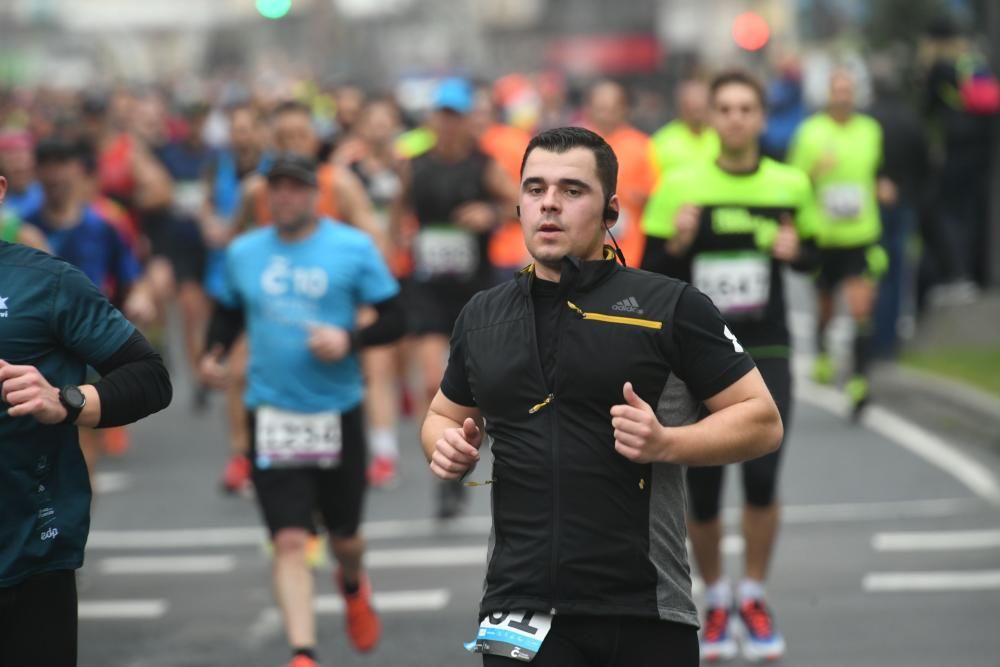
947, 406
950, 389
935, 448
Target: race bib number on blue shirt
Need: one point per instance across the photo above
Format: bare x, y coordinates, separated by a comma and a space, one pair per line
517, 634
294, 440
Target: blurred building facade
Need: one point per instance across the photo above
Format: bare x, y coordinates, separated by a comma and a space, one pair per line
381, 40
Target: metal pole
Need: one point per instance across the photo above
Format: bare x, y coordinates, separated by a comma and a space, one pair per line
993, 21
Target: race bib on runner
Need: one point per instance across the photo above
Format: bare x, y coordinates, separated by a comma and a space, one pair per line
842, 202
188, 197
445, 252
295, 440
738, 283
517, 634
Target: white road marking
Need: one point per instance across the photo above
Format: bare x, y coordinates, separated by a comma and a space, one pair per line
973, 580
949, 540
176, 539
268, 623
111, 482
733, 545
121, 609
392, 601
195, 538
479, 526
393, 529
874, 511
971, 473
167, 565
383, 559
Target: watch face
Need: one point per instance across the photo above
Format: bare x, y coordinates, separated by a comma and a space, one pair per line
74, 397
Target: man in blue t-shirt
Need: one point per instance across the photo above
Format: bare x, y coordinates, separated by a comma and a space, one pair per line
78, 233
53, 324
297, 287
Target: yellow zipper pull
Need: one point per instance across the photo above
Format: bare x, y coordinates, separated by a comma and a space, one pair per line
576, 309
538, 407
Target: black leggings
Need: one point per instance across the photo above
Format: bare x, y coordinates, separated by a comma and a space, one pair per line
612, 641
760, 475
38, 621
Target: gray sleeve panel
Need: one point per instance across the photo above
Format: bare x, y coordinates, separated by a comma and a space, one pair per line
492, 544
668, 514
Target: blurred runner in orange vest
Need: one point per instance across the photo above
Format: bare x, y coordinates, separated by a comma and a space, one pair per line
505, 144
606, 112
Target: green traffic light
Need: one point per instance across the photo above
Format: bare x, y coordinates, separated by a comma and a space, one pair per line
273, 9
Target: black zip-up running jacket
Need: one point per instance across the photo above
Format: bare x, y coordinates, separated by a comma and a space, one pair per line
577, 528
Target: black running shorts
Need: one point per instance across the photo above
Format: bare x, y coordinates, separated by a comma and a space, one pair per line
295, 497
612, 641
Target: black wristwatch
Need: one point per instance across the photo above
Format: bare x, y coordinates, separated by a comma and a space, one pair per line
73, 400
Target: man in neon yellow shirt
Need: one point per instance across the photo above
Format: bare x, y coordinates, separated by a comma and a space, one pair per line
688, 138
841, 150
729, 227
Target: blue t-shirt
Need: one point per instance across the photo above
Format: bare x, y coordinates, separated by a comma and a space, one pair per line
26, 203
184, 162
51, 317
284, 287
96, 248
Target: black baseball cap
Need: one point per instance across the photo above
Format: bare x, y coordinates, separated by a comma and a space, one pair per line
56, 149
294, 166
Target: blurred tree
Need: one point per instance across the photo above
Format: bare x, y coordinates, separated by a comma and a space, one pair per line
904, 21
901, 21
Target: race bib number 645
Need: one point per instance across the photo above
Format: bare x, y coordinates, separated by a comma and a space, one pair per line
516, 634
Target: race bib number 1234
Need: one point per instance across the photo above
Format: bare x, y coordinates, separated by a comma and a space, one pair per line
290, 439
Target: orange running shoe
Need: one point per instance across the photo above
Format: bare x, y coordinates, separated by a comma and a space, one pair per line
236, 476
303, 661
382, 473
363, 626
116, 441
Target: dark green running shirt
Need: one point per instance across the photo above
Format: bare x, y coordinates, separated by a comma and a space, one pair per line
51, 317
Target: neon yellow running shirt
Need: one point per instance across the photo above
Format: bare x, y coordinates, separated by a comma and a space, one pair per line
843, 163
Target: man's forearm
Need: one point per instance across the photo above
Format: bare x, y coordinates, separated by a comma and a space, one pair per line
387, 328
135, 384
90, 416
433, 430
225, 327
737, 433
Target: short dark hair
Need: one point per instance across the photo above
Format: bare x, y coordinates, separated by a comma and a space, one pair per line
291, 106
562, 139
54, 150
740, 77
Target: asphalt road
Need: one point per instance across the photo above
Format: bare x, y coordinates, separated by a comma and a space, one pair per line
889, 554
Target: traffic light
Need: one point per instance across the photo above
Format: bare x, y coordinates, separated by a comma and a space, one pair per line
273, 9
750, 31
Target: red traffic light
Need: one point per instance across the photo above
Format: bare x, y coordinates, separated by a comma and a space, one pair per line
750, 31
